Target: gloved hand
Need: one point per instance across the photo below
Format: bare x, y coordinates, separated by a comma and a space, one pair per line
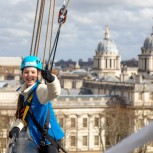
47, 76
15, 130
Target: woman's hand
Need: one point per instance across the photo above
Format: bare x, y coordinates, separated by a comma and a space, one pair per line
47, 76
15, 130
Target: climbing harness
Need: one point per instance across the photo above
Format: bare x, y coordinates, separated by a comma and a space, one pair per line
44, 131
27, 109
45, 135
22, 112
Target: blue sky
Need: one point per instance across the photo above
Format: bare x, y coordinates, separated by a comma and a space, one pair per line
130, 22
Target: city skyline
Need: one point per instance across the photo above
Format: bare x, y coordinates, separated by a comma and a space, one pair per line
129, 24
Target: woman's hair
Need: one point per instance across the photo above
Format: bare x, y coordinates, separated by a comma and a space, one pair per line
20, 107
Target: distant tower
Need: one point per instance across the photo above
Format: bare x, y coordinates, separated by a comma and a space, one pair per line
145, 62
106, 62
77, 66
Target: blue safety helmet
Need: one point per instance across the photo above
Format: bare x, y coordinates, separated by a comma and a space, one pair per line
31, 61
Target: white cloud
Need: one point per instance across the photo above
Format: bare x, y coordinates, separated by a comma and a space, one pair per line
129, 22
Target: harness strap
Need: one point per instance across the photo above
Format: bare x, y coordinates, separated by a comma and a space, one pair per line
29, 99
45, 134
43, 131
27, 109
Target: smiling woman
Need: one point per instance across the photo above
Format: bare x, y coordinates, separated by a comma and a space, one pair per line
30, 75
34, 113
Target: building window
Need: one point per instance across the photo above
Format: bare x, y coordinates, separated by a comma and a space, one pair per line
3, 120
145, 63
73, 141
2, 144
108, 121
74, 84
140, 96
122, 93
140, 123
73, 122
85, 139
61, 122
108, 144
151, 96
96, 122
110, 63
96, 140
114, 63
129, 96
85, 122
104, 91
98, 63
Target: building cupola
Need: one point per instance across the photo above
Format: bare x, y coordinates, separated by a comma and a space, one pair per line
106, 62
107, 45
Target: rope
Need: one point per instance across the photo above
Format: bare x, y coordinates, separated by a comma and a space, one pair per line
51, 33
34, 27
52, 49
41, 11
41, 19
52, 28
38, 25
47, 33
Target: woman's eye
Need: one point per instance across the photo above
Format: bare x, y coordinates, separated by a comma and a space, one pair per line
33, 72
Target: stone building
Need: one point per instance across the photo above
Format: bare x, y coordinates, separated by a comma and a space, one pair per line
134, 87
81, 117
113, 103
73, 79
10, 68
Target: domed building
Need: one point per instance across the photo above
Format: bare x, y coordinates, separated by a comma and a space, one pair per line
106, 62
145, 66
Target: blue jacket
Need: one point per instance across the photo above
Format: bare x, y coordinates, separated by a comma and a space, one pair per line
40, 112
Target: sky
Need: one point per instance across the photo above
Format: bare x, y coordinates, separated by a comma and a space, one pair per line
129, 21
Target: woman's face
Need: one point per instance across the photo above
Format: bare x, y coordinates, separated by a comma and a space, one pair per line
30, 75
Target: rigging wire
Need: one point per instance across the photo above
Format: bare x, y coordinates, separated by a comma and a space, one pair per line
61, 20
53, 51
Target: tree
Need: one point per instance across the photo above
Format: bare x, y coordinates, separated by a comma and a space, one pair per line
140, 120
115, 125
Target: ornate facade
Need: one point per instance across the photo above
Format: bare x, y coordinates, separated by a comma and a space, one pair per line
81, 117
135, 89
